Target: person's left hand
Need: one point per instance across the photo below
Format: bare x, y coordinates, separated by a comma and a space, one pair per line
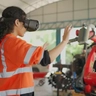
45, 45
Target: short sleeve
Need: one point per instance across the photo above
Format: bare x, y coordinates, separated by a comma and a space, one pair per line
46, 59
21, 52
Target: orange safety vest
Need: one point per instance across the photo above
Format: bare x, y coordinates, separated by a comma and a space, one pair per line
16, 60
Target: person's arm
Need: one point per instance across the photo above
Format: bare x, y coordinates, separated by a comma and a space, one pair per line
58, 49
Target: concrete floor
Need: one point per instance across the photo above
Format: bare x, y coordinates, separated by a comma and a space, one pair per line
44, 90
48, 90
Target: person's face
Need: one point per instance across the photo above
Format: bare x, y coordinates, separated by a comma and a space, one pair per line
19, 28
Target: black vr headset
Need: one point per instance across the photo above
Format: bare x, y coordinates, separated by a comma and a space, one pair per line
31, 25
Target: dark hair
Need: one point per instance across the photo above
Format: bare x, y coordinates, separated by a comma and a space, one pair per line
9, 15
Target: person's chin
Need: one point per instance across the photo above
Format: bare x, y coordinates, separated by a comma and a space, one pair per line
21, 35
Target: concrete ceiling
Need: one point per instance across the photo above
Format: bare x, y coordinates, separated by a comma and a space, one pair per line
26, 5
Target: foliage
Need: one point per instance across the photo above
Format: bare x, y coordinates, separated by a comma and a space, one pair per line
71, 50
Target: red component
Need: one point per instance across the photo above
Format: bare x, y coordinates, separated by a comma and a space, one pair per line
89, 74
77, 32
93, 38
39, 75
88, 89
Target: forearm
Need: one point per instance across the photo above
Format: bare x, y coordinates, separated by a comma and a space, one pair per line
57, 50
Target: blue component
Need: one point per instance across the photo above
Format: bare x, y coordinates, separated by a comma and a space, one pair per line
73, 84
74, 75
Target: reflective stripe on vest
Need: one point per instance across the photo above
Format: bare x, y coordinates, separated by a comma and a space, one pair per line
19, 70
3, 57
29, 55
17, 91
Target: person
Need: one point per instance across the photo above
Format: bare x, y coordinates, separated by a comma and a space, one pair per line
17, 56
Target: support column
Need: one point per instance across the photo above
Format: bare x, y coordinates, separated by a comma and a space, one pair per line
58, 40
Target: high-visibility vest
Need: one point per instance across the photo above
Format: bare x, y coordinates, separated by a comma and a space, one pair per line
16, 60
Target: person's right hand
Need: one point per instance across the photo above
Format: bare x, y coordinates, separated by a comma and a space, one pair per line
67, 32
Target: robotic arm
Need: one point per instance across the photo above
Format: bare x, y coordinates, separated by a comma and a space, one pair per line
87, 81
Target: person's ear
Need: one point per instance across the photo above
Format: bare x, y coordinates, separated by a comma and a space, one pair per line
17, 22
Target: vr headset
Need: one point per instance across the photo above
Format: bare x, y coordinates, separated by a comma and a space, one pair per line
31, 25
